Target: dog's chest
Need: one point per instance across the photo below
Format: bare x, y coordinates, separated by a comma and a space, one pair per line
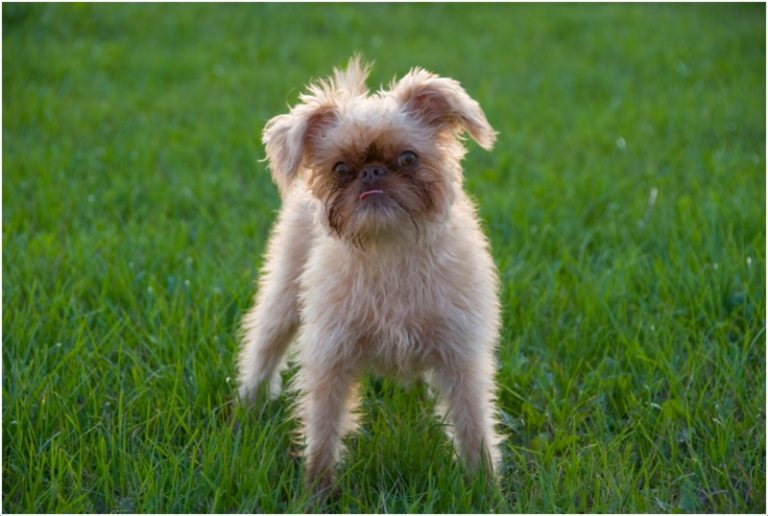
396, 306
397, 309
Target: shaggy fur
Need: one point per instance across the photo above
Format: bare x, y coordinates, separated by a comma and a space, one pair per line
377, 261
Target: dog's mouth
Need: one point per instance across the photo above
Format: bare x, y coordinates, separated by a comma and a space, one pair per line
370, 193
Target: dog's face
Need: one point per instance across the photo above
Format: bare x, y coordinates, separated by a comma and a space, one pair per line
377, 163
376, 171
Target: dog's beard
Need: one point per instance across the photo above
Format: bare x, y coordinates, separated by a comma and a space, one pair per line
396, 208
379, 216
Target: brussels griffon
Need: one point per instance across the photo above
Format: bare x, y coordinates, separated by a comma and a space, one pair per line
377, 261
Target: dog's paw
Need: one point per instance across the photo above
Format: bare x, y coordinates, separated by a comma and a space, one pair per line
322, 487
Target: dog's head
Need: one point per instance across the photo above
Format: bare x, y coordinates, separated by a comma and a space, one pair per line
377, 162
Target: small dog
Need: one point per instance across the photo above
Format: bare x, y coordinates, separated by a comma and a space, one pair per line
377, 261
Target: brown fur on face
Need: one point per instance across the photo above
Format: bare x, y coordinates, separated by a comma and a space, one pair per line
377, 261
412, 193
339, 121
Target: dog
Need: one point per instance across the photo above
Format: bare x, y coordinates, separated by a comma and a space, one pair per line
377, 262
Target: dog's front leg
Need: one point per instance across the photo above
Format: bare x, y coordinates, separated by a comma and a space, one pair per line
467, 397
328, 397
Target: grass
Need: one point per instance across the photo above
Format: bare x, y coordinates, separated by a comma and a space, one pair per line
625, 201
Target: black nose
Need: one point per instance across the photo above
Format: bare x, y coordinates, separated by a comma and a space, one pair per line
372, 173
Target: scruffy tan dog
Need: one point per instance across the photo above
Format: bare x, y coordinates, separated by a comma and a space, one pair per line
377, 261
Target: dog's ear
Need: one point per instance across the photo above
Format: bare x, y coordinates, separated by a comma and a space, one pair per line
443, 103
287, 137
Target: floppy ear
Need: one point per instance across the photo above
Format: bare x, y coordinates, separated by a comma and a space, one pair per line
286, 138
443, 103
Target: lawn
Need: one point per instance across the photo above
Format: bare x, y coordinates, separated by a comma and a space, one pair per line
625, 203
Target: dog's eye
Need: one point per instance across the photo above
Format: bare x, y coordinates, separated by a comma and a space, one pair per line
341, 168
407, 158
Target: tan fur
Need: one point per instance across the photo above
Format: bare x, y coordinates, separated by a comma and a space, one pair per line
398, 283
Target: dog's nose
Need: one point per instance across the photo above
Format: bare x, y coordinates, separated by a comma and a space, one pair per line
372, 173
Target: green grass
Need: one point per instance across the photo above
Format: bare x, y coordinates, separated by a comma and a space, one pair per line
625, 201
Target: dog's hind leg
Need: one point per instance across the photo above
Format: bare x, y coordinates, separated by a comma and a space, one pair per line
269, 327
